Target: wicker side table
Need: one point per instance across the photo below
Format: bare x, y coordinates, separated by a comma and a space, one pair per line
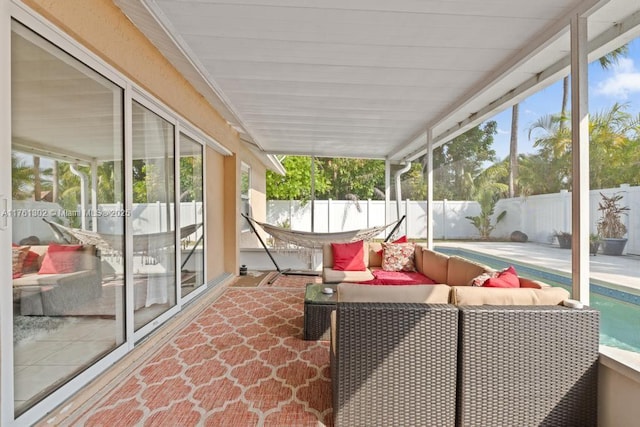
317, 311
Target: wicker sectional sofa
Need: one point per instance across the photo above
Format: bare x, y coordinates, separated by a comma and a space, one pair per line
406, 356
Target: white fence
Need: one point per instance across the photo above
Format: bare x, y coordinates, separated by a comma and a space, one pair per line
537, 216
147, 218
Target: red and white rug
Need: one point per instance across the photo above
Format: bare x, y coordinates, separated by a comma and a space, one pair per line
241, 362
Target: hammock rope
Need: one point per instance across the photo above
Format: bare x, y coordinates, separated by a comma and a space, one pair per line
311, 240
112, 243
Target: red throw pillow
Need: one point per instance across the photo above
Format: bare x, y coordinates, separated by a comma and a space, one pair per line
60, 259
30, 262
401, 239
348, 256
507, 278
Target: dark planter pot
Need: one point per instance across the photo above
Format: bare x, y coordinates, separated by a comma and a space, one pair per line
564, 241
613, 246
593, 248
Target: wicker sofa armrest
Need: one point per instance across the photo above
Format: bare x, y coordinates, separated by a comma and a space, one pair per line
528, 365
394, 364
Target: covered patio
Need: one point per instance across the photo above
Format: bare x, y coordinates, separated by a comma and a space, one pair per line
265, 78
231, 372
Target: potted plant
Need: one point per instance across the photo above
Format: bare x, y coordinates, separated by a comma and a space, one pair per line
564, 239
594, 244
610, 226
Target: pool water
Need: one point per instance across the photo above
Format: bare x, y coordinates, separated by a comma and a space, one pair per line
619, 310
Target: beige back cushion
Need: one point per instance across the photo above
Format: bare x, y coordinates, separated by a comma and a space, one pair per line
471, 295
327, 255
434, 294
87, 258
375, 258
460, 272
434, 265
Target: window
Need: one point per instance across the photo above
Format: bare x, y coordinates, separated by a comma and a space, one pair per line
245, 194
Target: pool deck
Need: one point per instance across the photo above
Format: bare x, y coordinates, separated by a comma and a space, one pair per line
621, 271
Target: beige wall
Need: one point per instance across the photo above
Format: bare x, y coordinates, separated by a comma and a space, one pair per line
257, 195
231, 200
215, 214
618, 394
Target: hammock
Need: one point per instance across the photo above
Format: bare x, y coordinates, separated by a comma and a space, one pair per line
112, 243
312, 240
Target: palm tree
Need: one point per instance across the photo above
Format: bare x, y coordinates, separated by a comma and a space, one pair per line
554, 144
513, 151
21, 178
606, 62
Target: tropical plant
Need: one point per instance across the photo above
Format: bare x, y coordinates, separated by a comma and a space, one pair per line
484, 222
456, 163
487, 190
610, 225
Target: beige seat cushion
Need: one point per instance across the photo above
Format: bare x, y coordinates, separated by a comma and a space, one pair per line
330, 275
434, 294
470, 295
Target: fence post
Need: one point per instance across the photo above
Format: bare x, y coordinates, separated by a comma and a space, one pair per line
406, 219
565, 197
329, 215
444, 219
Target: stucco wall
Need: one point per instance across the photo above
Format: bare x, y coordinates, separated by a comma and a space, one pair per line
215, 214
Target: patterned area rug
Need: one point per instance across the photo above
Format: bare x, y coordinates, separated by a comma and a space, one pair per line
241, 362
293, 281
253, 279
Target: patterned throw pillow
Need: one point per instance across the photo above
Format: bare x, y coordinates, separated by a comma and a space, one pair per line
398, 257
18, 254
479, 280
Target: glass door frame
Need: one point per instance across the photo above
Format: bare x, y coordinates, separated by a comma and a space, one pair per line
149, 102
37, 24
187, 130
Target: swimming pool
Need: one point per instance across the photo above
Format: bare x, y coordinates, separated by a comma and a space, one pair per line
619, 310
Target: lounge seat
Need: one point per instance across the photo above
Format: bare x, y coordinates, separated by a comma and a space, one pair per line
511, 364
59, 294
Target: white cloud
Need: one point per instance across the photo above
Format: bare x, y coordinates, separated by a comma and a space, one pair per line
503, 132
624, 81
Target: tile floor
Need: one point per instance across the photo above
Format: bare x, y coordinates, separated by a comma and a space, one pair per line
48, 358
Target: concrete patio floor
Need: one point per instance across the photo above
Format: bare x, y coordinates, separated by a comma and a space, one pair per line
620, 271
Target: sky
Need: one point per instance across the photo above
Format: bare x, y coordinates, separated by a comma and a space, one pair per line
621, 83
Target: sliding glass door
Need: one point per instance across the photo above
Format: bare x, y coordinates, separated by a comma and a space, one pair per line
66, 216
191, 215
153, 215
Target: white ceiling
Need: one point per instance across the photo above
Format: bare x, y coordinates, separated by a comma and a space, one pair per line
365, 78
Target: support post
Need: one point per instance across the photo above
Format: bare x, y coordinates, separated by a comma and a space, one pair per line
580, 157
430, 189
